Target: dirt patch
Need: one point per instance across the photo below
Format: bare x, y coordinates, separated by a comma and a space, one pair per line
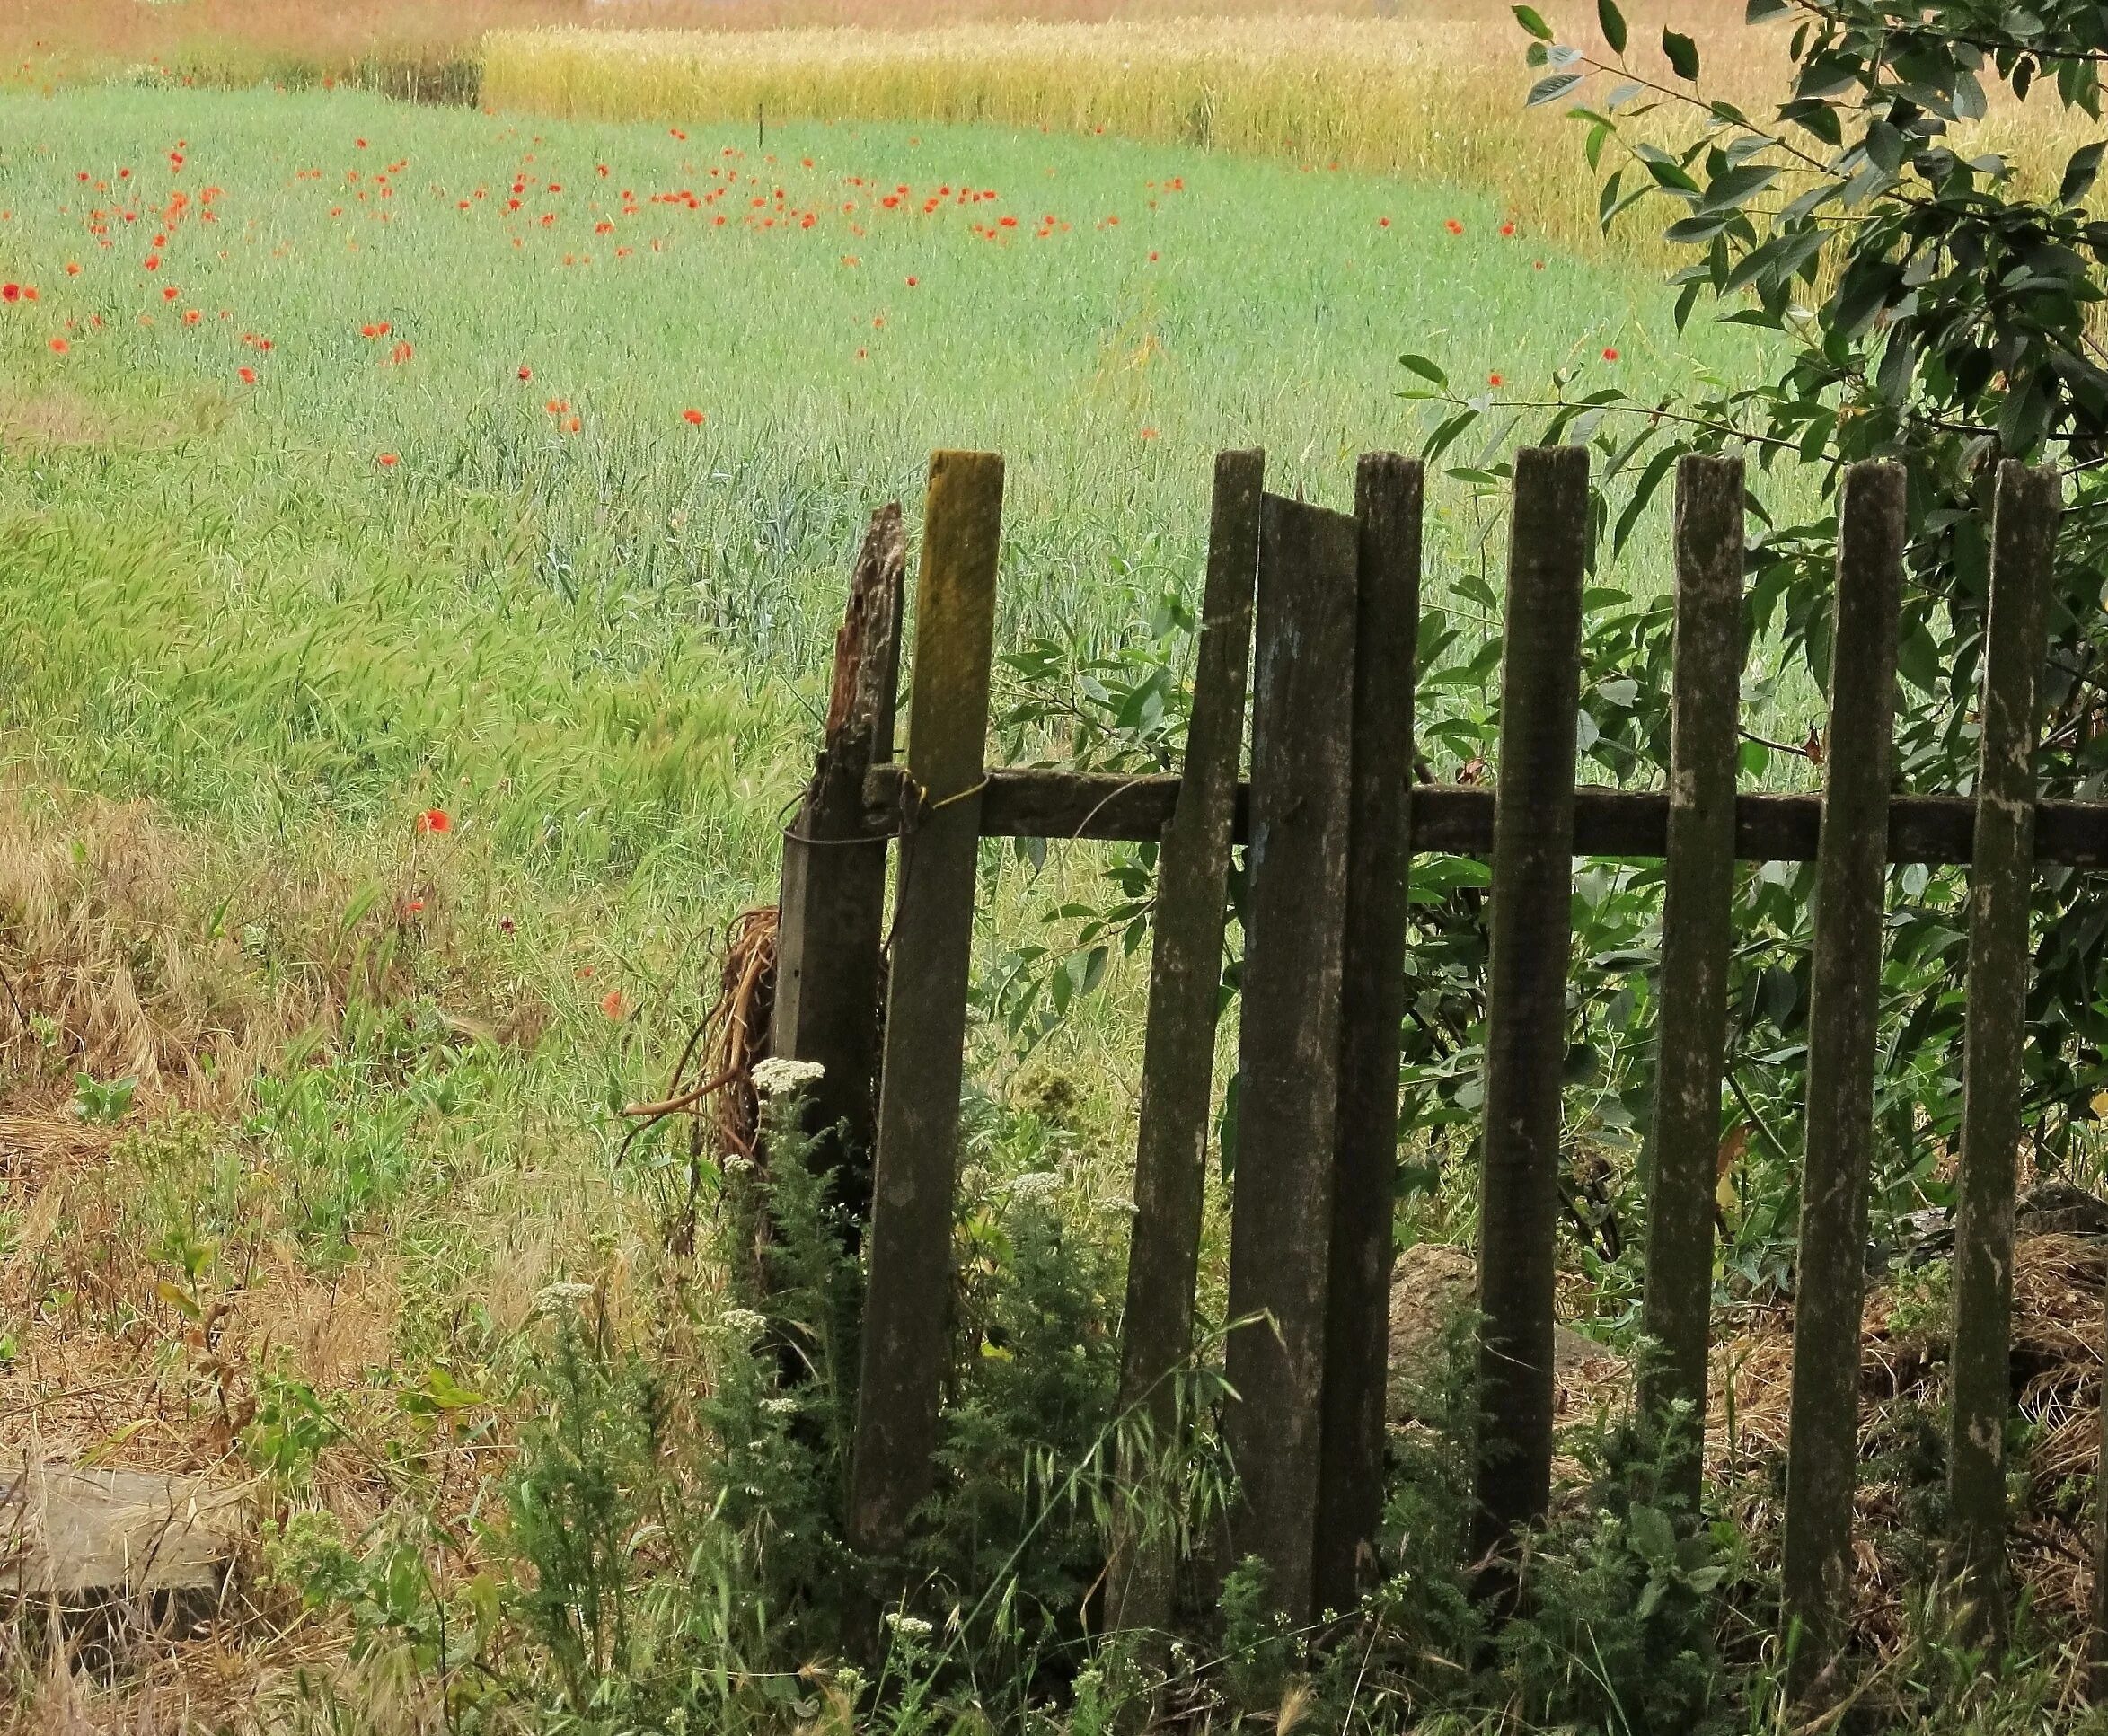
1434, 1284
56, 418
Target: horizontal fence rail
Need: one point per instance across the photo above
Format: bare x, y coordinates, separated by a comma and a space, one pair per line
1456, 819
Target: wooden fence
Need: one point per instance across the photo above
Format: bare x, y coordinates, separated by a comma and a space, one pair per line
1330, 819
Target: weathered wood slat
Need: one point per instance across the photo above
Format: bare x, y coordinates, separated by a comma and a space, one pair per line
830, 931
1178, 1039
1697, 933
908, 1299
1288, 1057
1844, 1007
1372, 1004
1526, 1005
2001, 882
1456, 819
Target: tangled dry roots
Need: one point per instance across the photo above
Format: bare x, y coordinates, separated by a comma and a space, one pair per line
713, 1080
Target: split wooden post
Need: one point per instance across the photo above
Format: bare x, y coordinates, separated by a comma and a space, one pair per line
1372, 1006
2000, 886
1526, 1005
908, 1297
1178, 1042
1303, 724
1844, 1006
1697, 933
831, 916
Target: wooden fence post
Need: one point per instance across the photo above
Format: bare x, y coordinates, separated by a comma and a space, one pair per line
1844, 1005
1697, 923
831, 916
1372, 1005
1526, 1005
2001, 880
907, 1301
1178, 1042
1302, 723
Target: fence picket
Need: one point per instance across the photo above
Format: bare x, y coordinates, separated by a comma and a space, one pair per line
1526, 1003
1372, 1005
1844, 1004
2001, 882
830, 931
1302, 719
908, 1297
1178, 1042
1697, 923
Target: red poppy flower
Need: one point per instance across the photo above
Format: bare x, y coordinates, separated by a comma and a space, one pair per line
1609, 355
1493, 379
696, 418
527, 374
247, 375
60, 345
435, 819
1453, 225
1508, 228
1382, 223
613, 1004
400, 353
911, 283
387, 460
10, 292
169, 292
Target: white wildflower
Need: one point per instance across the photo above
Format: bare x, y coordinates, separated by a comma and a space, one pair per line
780, 1077
909, 1627
554, 1298
742, 1322
1035, 1185
779, 1406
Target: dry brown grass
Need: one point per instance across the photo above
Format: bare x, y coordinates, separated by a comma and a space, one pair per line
2057, 1361
116, 962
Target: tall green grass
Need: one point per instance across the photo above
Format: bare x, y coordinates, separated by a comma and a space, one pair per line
625, 620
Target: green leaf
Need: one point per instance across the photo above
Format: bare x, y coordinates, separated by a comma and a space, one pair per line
1682, 52
1654, 1535
1690, 232
1426, 369
1736, 187
1759, 11
1650, 479
1613, 24
1551, 89
1918, 659
1533, 21
2080, 173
